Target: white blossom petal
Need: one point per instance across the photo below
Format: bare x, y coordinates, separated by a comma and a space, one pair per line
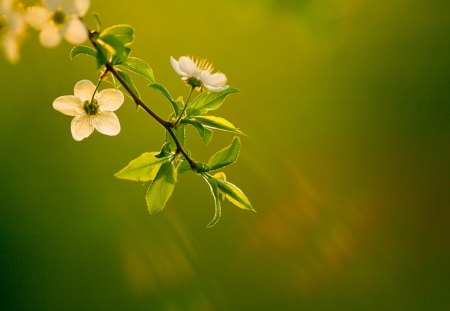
69, 105
216, 88
82, 6
109, 99
84, 90
11, 48
37, 17
16, 23
50, 35
76, 8
82, 127
107, 123
213, 80
53, 5
75, 32
188, 66
176, 67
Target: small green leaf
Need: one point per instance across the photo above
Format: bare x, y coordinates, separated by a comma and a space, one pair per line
205, 133
139, 67
179, 105
144, 168
216, 195
82, 50
209, 101
161, 89
216, 123
180, 135
226, 156
128, 81
221, 176
118, 59
102, 56
184, 167
161, 189
116, 48
234, 195
165, 151
124, 33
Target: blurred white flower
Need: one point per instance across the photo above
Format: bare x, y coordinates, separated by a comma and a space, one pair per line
12, 29
91, 111
198, 73
58, 19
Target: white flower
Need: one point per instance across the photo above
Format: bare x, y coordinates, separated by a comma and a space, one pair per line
58, 19
198, 73
89, 114
12, 30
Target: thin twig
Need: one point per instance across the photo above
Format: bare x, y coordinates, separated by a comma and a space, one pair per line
166, 124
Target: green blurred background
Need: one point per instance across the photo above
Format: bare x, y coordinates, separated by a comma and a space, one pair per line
346, 107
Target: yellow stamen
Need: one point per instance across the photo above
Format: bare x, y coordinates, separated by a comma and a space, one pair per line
204, 65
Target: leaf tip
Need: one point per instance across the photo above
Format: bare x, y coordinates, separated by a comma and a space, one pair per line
118, 175
211, 225
241, 133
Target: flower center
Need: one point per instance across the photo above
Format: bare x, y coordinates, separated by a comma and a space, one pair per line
194, 82
91, 108
58, 17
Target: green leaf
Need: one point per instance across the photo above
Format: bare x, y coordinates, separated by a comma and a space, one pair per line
234, 195
226, 156
116, 48
124, 33
144, 168
102, 56
216, 123
82, 50
180, 134
216, 195
161, 189
205, 133
165, 151
139, 67
118, 59
128, 81
221, 176
161, 89
184, 167
209, 101
179, 103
